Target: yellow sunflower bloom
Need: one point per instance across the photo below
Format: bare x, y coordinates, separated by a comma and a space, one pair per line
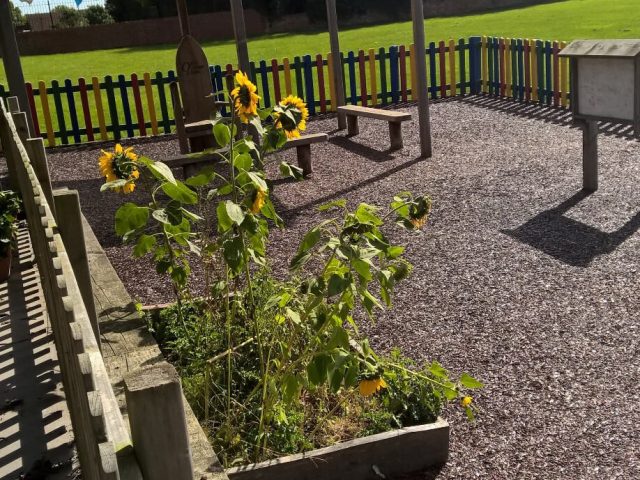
259, 201
300, 113
369, 387
466, 401
245, 98
120, 165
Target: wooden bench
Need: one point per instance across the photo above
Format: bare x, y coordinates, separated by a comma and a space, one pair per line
191, 163
394, 118
303, 149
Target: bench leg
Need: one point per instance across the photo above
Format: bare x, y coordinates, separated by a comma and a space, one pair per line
304, 159
191, 170
352, 125
395, 132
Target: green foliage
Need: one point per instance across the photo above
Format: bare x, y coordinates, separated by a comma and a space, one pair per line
256, 352
18, 18
68, 17
10, 206
97, 15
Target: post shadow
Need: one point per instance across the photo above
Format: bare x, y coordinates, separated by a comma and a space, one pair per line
570, 241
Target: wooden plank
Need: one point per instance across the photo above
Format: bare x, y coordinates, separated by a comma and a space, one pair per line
548, 72
308, 79
528, 82
383, 75
113, 111
297, 68
162, 97
353, 86
307, 140
46, 113
265, 93
514, 68
564, 63
373, 77
508, 79
490, 79
433, 70
403, 73
287, 77
363, 78
73, 114
375, 113
321, 85
556, 74
151, 104
32, 108
275, 74
86, 112
97, 100
539, 75
394, 74
57, 101
332, 82
503, 72
453, 90
485, 75
126, 108
463, 66
415, 91
137, 100
443, 68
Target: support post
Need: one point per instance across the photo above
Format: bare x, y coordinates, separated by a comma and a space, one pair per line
69, 220
183, 17
589, 155
395, 134
352, 125
240, 33
11, 60
304, 159
158, 423
338, 70
38, 155
417, 12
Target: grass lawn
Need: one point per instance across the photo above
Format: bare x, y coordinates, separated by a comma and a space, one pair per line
563, 20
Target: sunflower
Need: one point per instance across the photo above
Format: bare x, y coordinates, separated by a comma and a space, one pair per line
466, 401
245, 98
258, 201
120, 165
291, 115
418, 223
371, 386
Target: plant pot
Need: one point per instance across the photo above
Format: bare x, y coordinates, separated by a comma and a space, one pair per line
5, 266
397, 452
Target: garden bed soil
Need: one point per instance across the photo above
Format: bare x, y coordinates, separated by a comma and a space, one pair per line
521, 279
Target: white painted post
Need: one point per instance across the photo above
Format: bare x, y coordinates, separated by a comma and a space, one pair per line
338, 70
417, 12
240, 33
158, 423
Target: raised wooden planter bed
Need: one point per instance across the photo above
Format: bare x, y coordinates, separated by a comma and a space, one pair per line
397, 452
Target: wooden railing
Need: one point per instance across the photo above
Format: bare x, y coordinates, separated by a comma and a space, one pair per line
153, 395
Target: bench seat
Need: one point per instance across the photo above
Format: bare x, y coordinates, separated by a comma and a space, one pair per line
394, 118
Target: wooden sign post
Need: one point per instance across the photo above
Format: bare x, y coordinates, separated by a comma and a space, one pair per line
417, 12
240, 33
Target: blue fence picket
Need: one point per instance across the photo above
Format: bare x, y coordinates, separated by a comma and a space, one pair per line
308, 81
73, 114
353, 87
394, 71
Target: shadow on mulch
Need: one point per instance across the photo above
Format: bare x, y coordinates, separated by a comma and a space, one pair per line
546, 113
568, 240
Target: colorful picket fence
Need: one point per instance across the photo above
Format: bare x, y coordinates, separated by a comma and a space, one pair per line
131, 106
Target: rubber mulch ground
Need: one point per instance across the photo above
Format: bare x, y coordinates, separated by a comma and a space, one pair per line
521, 279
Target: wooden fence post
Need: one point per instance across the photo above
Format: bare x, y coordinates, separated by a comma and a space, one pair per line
158, 423
69, 220
38, 156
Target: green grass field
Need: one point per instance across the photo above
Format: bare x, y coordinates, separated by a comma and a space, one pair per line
562, 20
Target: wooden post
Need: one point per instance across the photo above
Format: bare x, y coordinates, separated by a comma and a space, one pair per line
240, 33
352, 125
338, 70
158, 423
37, 154
395, 134
589, 155
69, 220
11, 60
304, 159
417, 12
183, 17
